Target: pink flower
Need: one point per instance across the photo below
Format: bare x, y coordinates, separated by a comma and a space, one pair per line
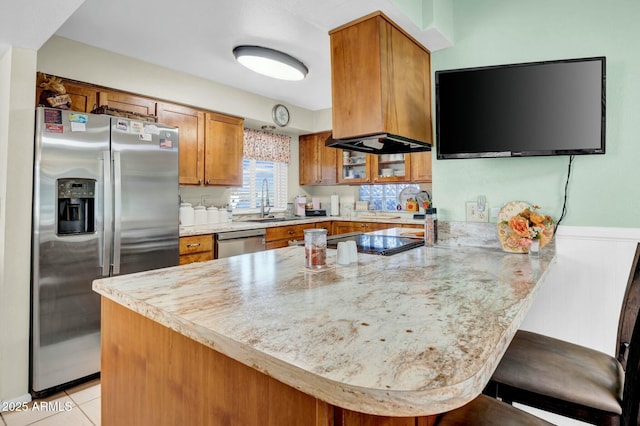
520, 226
524, 242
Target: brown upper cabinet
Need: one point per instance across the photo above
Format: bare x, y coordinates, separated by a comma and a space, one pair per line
127, 102
421, 167
223, 150
380, 80
210, 144
317, 162
191, 124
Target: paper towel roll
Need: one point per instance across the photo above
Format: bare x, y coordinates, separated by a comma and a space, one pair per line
335, 205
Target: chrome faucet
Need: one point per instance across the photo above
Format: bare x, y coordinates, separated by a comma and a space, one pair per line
264, 202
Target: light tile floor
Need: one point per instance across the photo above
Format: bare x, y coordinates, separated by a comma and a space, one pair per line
78, 406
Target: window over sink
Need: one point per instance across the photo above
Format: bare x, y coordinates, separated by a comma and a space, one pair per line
254, 172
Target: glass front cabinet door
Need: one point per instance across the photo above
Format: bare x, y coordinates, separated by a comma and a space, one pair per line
354, 167
391, 168
358, 168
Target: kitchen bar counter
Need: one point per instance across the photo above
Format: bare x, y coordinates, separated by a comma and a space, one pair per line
413, 334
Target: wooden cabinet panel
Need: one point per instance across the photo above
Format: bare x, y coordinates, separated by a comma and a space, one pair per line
380, 80
191, 123
197, 248
421, 167
325, 225
344, 227
83, 96
317, 162
145, 364
127, 102
223, 150
412, 226
280, 236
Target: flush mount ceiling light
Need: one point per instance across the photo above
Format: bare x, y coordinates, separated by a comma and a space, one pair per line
269, 62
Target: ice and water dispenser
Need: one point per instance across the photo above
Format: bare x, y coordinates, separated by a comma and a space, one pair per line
76, 206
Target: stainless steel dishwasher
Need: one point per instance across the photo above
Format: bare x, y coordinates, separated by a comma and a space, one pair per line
233, 243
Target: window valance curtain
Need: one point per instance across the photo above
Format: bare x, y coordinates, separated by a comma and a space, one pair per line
265, 146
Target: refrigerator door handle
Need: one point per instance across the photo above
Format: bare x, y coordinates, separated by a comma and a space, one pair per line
117, 207
107, 214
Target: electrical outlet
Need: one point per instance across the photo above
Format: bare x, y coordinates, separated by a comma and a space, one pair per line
475, 214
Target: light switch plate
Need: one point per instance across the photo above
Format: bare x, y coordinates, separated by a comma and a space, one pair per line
474, 214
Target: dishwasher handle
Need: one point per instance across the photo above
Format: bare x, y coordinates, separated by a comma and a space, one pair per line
244, 233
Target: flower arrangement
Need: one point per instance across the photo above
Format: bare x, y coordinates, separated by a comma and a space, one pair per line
522, 225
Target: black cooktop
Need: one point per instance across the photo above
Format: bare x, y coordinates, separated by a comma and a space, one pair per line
384, 245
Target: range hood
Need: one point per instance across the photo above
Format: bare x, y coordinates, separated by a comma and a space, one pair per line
380, 88
383, 143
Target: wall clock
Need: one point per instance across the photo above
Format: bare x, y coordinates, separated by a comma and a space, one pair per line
280, 115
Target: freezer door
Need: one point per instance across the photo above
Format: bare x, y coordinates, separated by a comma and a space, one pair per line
65, 335
145, 188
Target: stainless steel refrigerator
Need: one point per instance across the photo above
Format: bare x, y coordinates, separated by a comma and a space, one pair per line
105, 203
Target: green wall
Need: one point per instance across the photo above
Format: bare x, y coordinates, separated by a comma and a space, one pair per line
604, 190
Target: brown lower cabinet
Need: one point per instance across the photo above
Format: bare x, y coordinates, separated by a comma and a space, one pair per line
152, 375
343, 227
280, 236
196, 248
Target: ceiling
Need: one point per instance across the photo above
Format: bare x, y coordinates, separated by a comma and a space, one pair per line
197, 36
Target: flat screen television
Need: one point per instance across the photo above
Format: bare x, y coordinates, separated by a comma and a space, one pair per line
521, 110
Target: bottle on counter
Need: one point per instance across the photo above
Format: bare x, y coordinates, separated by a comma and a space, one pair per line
430, 226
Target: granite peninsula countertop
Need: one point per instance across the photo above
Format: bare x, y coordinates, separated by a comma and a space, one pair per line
416, 333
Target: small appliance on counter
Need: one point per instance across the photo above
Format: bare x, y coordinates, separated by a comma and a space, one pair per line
315, 212
299, 205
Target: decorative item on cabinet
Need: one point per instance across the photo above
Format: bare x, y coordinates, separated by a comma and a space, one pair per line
83, 96
53, 94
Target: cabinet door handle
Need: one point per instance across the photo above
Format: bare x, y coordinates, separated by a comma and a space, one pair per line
193, 245
291, 232
208, 182
199, 181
